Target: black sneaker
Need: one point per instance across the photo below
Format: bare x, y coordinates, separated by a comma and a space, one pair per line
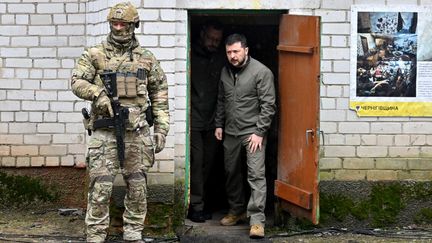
196, 216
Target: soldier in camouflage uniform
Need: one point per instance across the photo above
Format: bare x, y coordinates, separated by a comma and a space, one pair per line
121, 53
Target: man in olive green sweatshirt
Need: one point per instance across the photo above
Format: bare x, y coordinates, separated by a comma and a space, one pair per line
245, 108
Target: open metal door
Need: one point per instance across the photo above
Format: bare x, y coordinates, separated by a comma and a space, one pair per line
298, 144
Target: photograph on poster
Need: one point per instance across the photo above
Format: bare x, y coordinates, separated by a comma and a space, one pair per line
386, 54
424, 30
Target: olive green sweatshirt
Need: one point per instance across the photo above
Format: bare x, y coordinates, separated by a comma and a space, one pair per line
246, 100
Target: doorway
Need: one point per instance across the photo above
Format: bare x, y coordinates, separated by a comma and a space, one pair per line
261, 29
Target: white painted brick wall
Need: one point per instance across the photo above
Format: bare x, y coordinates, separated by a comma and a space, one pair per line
386, 127
153, 28
20, 95
336, 139
333, 115
148, 40
339, 41
352, 139
21, 116
340, 151
336, 53
341, 66
417, 127
342, 103
40, 19
354, 127
50, 8
10, 105
336, 4
159, 4
7, 116
22, 128
380, 137
405, 151
331, 15
42, 30
18, 62
34, 105
335, 28
40, 42
37, 139
368, 140
21, 8
148, 14
371, 151
334, 91
50, 128
8, 19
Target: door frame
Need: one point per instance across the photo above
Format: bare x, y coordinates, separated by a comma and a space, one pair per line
207, 12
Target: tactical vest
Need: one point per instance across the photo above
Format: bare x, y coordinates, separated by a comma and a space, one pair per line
132, 79
132, 75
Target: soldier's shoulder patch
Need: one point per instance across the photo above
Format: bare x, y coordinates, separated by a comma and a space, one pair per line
147, 53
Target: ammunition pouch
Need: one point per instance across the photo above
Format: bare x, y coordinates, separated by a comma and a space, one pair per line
131, 85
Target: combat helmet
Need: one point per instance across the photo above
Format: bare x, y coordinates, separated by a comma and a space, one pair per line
125, 12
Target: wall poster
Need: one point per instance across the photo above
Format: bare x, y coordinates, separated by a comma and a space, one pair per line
391, 61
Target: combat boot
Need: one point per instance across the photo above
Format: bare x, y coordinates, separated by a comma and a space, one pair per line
231, 219
256, 231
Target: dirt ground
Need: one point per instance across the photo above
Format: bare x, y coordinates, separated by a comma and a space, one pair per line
211, 231
55, 225
64, 222
41, 225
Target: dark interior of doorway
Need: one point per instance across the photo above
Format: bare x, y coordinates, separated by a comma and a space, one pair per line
262, 32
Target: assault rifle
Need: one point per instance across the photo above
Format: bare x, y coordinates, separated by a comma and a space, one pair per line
121, 114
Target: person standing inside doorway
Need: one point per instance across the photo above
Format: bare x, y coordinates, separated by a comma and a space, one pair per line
206, 64
245, 108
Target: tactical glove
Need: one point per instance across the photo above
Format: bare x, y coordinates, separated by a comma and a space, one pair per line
103, 105
159, 142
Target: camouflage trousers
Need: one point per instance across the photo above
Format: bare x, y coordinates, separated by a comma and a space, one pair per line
103, 166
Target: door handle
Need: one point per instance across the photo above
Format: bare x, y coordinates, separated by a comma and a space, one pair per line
321, 134
312, 133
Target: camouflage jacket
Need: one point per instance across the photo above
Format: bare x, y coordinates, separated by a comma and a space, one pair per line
87, 84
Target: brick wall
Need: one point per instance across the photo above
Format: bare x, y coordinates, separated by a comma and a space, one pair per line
40, 118
40, 121
353, 148
373, 148
160, 32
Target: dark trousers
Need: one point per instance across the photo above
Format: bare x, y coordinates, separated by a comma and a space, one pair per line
203, 153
